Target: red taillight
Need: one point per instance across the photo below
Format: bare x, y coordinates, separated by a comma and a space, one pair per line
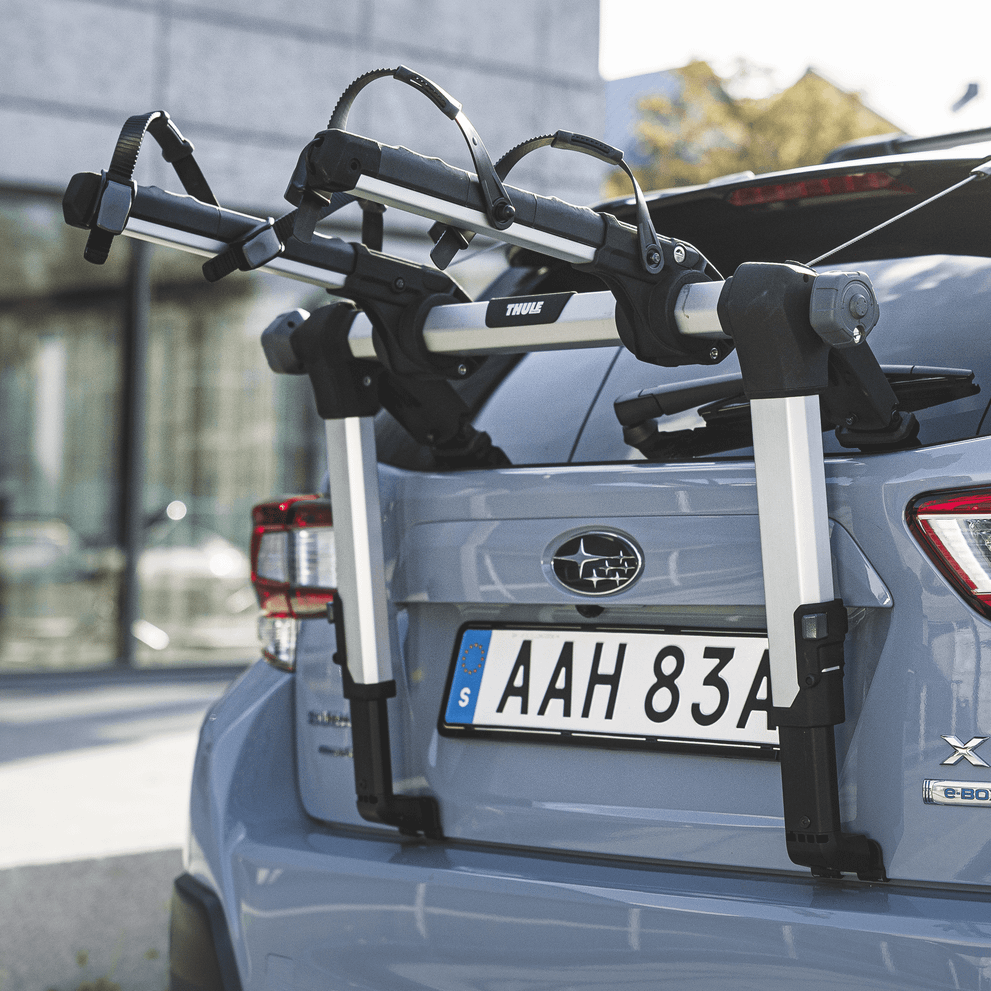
293, 562
834, 185
954, 529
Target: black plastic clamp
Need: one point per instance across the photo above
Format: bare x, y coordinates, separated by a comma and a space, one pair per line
814, 835
820, 630
646, 301
397, 295
316, 344
115, 205
112, 203
376, 800
259, 247
300, 343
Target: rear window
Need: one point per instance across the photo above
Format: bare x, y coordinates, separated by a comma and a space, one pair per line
934, 313
557, 407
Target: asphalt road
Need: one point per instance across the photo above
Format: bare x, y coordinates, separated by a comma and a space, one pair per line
94, 790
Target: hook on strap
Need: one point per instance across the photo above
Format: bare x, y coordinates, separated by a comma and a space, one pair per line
119, 187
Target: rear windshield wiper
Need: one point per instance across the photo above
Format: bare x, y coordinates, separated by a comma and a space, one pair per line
921, 386
721, 403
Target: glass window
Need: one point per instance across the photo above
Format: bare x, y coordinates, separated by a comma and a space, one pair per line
221, 432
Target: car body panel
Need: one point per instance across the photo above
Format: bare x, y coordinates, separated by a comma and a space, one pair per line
555, 797
493, 561
313, 906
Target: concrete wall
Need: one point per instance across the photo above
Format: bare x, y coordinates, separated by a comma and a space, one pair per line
250, 82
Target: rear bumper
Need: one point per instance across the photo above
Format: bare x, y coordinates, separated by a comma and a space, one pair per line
339, 910
200, 954
312, 906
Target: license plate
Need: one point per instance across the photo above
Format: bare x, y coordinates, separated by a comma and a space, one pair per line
641, 688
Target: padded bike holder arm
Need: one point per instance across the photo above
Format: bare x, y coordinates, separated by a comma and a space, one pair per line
499, 208
183, 222
338, 161
450, 240
391, 289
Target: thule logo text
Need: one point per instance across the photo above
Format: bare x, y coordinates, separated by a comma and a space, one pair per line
519, 311
532, 306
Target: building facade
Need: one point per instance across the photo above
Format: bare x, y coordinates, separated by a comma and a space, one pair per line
248, 84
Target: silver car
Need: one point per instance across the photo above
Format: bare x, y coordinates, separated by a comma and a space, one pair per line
580, 648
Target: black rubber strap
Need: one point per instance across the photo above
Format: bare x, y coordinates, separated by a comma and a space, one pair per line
449, 240
176, 150
569, 140
651, 256
339, 118
498, 206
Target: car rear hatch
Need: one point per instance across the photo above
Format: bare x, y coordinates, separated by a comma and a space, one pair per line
613, 731
578, 641
468, 556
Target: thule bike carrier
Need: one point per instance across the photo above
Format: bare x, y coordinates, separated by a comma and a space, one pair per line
402, 332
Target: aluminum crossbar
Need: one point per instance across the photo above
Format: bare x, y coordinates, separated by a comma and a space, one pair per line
205, 247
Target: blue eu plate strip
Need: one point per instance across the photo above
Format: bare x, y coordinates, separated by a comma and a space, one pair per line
469, 666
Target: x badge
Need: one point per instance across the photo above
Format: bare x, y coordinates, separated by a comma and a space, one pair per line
965, 751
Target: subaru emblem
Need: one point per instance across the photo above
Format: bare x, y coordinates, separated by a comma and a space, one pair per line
595, 562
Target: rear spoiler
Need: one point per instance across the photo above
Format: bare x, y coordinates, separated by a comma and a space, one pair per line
879, 146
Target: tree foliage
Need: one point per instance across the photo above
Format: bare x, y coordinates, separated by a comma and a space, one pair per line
703, 132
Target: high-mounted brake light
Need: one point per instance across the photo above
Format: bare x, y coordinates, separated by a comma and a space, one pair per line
805, 189
293, 569
954, 529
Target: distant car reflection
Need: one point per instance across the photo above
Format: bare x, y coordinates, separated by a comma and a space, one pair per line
196, 595
60, 597
41, 550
